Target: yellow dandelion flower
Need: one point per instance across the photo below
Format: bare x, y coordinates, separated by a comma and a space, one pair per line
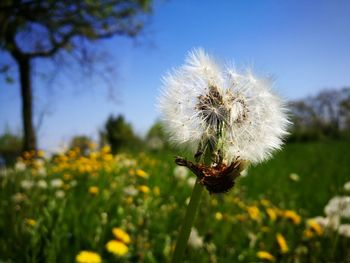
144, 189
271, 213
293, 216
218, 216
94, 190
121, 235
30, 222
308, 233
315, 226
265, 255
265, 202
88, 257
106, 149
141, 173
253, 212
117, 248
41, 153
282, 243
67, 176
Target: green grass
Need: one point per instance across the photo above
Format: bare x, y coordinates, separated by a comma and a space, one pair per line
65, 226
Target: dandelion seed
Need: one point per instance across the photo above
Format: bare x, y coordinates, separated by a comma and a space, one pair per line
347, 186
234, 115
42, 184
27, 184
201, 99
344, 230
195, 240
338, 205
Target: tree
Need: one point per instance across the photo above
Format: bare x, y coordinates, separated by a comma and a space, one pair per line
119, 134
81, 142
44, 28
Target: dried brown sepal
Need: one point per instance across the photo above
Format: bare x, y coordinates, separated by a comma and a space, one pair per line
218, 178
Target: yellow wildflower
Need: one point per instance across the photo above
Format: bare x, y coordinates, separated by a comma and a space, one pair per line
88, 257
282, 243
265, 255
265, 202
30, 222
292, 216
315, 226
308, 233
94, 190
121, 235
218, 216
144, 189
67, 176
141, 173
117, 248
253, 212
271, 213
41, 153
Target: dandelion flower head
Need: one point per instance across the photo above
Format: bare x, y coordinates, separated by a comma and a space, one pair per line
202, 101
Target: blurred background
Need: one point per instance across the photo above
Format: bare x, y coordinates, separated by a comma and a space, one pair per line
78, 87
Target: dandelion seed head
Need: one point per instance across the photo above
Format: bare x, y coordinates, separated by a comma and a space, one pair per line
201, 99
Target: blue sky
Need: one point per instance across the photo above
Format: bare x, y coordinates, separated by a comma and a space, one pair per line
304, 45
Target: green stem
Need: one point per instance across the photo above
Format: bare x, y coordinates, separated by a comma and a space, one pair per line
187, 223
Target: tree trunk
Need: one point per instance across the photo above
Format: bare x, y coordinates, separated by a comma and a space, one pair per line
29, 138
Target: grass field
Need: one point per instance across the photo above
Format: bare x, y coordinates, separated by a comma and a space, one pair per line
52, 210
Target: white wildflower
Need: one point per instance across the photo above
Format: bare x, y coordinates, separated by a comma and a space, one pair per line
338, 205
20, 166
347, 186
180, 172
42, 171
27, 184
42, 184
56, 183
73, 183
244, 173
294, 177
18, 197
130, 190
195, 240
60, 194
204, 103
191, 181
344, 230
331, 222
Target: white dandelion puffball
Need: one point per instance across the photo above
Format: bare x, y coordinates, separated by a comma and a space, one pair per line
203, 101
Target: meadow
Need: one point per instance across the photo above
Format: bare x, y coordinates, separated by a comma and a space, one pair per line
128, 208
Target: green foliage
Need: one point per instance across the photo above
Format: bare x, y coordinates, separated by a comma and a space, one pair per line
81, 142
10, 147
156, 138
119, 134
80, 219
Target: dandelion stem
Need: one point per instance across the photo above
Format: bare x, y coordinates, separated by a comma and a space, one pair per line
187, 223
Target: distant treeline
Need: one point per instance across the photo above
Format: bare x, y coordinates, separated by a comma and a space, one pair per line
323, 116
